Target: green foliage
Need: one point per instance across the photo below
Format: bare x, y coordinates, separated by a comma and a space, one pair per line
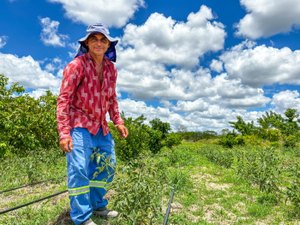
242, 127
137, 141
158, 125
155, 140
273, 127
26, 123
293, 191
260, 167
196, 136
103, 162
291, 141
143, 138
271, 120
173, 139
140, 187
221, 156
231, 139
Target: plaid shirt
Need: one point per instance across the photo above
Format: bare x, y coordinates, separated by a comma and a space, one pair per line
84, 101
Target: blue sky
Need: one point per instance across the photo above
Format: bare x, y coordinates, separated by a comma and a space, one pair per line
194, 64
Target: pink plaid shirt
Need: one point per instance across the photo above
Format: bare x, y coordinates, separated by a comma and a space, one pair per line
84, 101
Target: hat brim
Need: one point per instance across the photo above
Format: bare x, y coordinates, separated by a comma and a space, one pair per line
111, 39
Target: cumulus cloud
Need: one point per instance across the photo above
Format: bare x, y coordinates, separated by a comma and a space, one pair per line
53, 65
42, 91
49, 35
27, 72
112, 13
133, 108
209, 117
268, 17
286, 99
216, 65
164, 40
147, 52
3, 40
262, 65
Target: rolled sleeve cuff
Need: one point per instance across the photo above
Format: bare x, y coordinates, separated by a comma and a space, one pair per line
119, 122
64, 136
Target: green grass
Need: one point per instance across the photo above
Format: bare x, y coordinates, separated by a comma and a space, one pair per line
206, 193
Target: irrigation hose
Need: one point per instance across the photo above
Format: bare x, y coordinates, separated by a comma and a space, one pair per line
35, 201
169, 207
26, 185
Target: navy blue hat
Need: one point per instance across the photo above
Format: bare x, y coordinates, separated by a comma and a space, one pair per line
99, 28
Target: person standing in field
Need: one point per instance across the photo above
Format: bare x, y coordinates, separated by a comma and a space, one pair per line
88, 92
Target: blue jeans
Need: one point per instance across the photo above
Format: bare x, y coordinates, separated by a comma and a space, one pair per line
91, 166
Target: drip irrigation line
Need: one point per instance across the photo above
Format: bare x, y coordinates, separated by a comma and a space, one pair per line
35, 201
169, 207
26, 185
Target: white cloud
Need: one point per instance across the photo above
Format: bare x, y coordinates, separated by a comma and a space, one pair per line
27, 72
216, 65
3, 41
262, 65
134, 109
212, 117
190, 106
49, 35
286, 99
112, 13
147, 52
53, 65
268, 17
42, 91
166, 41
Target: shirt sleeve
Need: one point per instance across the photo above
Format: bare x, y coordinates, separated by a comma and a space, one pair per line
72, 76
113, 105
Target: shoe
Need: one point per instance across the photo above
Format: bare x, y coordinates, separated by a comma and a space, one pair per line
89, 222
105, 213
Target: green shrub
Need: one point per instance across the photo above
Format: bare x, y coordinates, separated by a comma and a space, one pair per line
260, 166
26, 124
293, 191
228, 140
140, 187
218, 155
290, 141
137, 141
173, 139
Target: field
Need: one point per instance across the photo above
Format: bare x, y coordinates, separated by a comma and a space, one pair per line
213, 185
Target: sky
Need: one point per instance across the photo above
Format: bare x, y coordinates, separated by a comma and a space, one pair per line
196, 64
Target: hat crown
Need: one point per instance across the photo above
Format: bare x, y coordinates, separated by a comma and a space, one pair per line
99, 27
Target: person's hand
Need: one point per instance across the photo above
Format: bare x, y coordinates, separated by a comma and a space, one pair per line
122, 130
66, 144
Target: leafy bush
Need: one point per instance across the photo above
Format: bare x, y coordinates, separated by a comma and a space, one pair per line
143, 138
290, 141
272, 127
231, 139
218, 155
173, 139
260, 166
137, 141
140, 187
293, 191
196, 136
26, 124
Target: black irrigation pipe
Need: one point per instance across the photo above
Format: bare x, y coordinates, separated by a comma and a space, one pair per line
26, 185
35, 201
169, 207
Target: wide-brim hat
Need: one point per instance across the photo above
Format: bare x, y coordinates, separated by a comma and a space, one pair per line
111, 53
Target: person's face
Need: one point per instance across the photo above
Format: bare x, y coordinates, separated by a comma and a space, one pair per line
97, 44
